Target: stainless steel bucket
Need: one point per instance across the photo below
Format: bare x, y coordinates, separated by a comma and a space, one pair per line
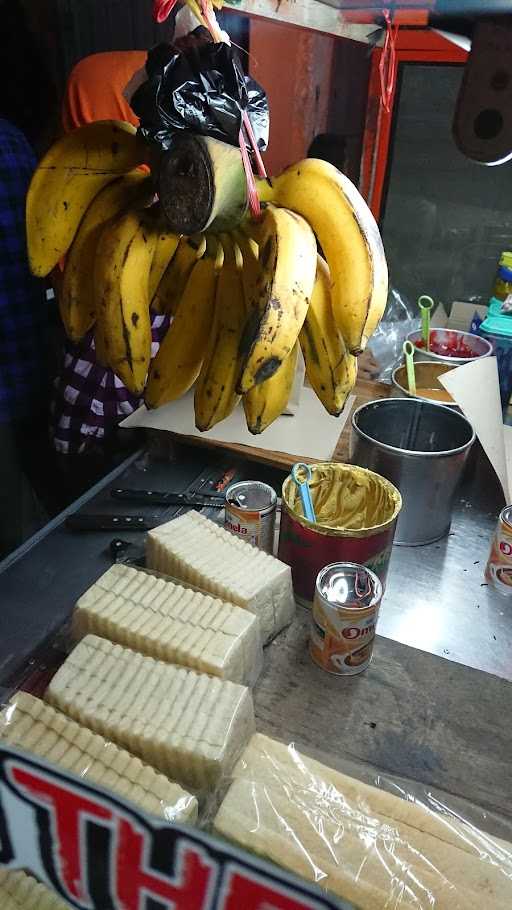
421, 448
453, 338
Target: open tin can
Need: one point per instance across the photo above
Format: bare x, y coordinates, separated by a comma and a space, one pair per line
251, 513
345, 613
356, 514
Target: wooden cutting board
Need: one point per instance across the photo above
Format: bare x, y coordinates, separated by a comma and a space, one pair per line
364, 391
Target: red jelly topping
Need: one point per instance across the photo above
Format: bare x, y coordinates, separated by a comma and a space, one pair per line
447, 346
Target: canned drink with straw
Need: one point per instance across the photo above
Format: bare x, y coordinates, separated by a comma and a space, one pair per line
355, 518
345, 612
499, 567
250, 513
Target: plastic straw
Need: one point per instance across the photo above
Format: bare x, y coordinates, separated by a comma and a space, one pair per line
304, 491
426, 305
409, 362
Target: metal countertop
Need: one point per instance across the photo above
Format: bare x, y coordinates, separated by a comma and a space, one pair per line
436, 599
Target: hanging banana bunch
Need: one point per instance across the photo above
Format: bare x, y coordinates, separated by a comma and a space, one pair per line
244, 295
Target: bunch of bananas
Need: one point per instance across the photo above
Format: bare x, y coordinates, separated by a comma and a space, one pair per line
310, 275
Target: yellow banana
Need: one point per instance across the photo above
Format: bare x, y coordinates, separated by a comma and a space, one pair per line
266, 402
176, 276
121, 277
215, 394
219, 255
350, 240
100, 346
77, 304
66, 181
330, 368
287, 276
251, 272
166, 246
178, 362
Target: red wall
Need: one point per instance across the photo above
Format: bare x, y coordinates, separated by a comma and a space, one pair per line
295, 66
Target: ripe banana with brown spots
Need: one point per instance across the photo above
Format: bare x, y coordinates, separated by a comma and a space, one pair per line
174, 280
349, 237
121, 277
76, 296
266, 402
178, 362
166, 246
215, 393
66, 181
287, 268
330, 368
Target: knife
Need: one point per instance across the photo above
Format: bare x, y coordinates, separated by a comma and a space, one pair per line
153, 497
108, 523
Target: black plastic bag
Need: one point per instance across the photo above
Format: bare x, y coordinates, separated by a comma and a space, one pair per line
204, 90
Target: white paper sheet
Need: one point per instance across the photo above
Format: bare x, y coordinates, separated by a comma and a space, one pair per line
310, 433
475, 388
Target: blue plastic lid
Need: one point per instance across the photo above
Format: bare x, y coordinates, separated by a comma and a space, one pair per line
495, 306
504, 273
497, 325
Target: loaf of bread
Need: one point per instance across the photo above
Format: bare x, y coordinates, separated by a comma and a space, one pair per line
19, 891
32, 725
362, 844
171, 623
198, 551
190, 726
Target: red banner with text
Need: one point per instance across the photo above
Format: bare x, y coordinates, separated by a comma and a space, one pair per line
99, 853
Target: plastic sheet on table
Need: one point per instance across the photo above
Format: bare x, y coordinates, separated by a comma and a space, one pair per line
399, 320
401, 850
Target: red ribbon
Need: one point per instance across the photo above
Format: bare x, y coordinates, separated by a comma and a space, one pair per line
388, 63
162, 9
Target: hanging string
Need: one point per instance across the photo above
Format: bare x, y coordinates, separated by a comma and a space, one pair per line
388, 63
252, 193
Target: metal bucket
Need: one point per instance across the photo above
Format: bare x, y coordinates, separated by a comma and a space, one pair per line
428, 387
421, 448
479, 347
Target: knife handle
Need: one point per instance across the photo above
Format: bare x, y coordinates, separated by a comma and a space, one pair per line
141, 496
106, 523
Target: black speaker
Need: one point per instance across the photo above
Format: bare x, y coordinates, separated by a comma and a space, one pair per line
483, 116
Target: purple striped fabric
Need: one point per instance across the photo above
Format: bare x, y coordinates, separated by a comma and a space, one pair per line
88, 400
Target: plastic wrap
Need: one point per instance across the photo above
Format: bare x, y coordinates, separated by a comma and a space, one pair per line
237, 572
28, 723
19, 891
386, 344
189, 726
163, 619
203, 90
358, 841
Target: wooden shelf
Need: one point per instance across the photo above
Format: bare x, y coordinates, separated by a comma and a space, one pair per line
311, 14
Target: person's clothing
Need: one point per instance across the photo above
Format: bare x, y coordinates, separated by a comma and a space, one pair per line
22, 303
95, 88
22, 345
21, 513
89, 401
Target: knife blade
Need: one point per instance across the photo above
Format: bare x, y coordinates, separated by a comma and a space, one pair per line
108, 523
156, 498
